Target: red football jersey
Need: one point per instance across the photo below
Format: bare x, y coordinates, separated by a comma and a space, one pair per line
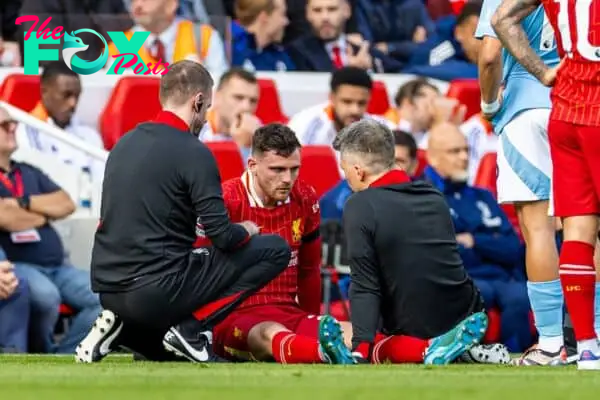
576, 92
293, 220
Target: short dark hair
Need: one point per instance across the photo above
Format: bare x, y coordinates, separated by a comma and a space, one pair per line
412, 89
184, 80
352, 76
275, 137
237, 72
405, 139
54, 69
470, 9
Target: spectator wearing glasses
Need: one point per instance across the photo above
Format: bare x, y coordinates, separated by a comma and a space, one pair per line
29, 201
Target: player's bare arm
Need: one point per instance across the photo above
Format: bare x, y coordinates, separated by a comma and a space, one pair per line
489, 65
507, 24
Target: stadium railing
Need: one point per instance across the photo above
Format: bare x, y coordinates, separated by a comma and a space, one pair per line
65, 175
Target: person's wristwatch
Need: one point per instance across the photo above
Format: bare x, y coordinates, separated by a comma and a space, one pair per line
24, 201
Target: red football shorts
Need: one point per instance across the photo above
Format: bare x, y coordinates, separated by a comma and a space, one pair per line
230, 337
575, 151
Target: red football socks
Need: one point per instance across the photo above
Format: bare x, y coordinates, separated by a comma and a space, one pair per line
578, 280
398, 349
289, 348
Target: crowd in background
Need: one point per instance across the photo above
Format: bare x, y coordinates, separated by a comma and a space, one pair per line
348, 40
410, 36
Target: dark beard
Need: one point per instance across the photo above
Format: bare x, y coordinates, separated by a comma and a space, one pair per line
196, 124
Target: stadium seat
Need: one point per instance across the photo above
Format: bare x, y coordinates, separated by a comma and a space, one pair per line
339, 310
492, 334
319, 168
229, 159
269, 105
421, 162
65, 315
487, 173
65, 310
22, 91
133, 100
466, 91
380, 101
486, 178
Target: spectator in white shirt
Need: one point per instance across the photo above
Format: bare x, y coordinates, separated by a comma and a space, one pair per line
232, 116
414, 111
60, 91
348, 100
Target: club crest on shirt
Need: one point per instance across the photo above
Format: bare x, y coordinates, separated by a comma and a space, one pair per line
237, 333
297, 230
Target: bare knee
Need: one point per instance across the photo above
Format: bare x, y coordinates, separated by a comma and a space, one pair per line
536, 225
260, 339
582, 228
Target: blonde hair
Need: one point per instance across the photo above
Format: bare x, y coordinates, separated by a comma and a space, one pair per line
246, 11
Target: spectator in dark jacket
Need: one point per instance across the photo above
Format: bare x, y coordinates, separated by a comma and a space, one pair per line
203, 11
257, 34
327, 47
10, 54
99, 15
299, 25
452, 52
396, 27
487, 242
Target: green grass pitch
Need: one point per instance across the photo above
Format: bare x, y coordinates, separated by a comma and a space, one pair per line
118, 377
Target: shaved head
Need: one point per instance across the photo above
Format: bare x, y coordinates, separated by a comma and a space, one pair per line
448, 152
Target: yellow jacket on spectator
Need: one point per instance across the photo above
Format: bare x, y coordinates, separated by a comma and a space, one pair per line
184, 40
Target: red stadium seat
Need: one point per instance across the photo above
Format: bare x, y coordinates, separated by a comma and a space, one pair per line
229, 159
319, 168
486, 173
421, 162
269, 106
65, 310
380, 101
492, 334
22, 91
338, 309
467, 92
133, 100
486, 178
